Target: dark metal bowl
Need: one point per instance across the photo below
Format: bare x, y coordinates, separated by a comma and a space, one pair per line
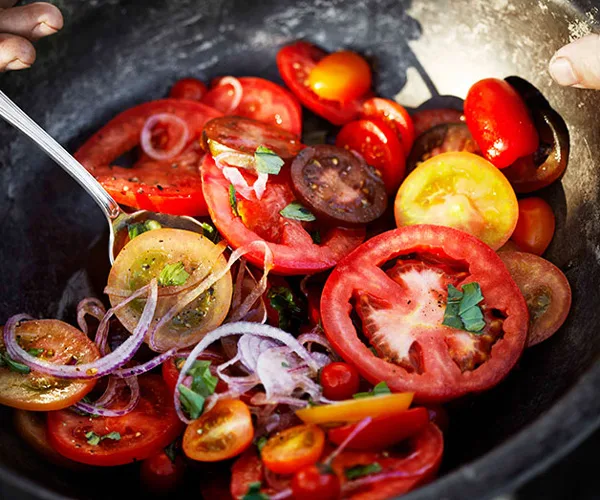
116, 53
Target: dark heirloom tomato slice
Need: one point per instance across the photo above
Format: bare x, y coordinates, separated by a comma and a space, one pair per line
338, 186
151, 426
429, 118
546, 290
294, 251
402, 308
171, 186
262, 100
245, 135
295, 62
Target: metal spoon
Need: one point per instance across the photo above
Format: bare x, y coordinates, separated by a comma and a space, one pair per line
118, 220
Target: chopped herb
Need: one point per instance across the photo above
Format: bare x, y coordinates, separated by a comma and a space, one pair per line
203, 385
209, 232
12, 365
94, 439
379, 390
296, 211
233, 200
316, 237
191, 402
462, 309
171, 451
115, 436
282, 300
173, 275
374, 351
35, 352
284, 364
142, 227
262, 441
267, 161
362, 470
254, 492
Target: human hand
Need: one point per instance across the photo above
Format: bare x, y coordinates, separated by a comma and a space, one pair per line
19, 26
578, 63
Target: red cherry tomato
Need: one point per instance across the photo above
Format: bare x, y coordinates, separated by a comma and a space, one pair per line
159, 474
380, 147
535, 226
500, 122
341, 76
340, 381
394, 115
191, 89
312, 483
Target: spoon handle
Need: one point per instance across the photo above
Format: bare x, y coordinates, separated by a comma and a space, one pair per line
18, 119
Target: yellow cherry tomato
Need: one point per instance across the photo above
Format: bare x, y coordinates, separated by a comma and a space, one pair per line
341, 76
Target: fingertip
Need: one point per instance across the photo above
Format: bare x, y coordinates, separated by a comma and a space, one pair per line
15, 53
577, 64
49, 19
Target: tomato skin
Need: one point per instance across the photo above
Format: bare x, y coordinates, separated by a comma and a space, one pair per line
294, 448
313, 300
394, 115
160, 475
429, 118
190, 89
310, 483
341, 76
247, 469
535, 226
500, 122
382, 432
339, 380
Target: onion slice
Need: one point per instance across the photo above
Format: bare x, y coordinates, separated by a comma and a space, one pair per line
238, 92
224, 162
173, 121
97, 409
92, 307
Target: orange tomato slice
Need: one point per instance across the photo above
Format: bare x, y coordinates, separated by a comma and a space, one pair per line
292, 449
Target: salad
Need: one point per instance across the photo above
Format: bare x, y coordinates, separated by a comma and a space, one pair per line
347, 283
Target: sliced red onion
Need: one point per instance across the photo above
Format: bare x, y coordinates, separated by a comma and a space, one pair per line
96, 409
239, 384
233, 175
314, 337
321, 359
138, 370
211, 401
173, 121
250, 347
237, 89
89, 307
261, 399
87, 371
281, 495
355, 484
111, 391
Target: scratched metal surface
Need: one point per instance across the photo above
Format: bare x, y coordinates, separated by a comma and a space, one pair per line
114, 54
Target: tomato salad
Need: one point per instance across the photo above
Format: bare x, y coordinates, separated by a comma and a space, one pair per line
338, 295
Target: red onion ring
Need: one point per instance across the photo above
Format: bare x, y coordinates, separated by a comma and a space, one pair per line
92, 307
138, 370
233, 175
250, 347
375, 478
237, 94
97, 409
359, 427
146, 136
282, 494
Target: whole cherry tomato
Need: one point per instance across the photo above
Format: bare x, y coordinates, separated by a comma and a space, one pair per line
188, 88
535, 226
340, 381
315, 483
341, 76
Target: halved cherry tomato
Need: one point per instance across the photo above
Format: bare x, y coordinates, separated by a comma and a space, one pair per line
382, 432
535, 227
338, 186
380, 147
144, 258
353, 410
339, 381
546, 291
151, 426
248, 469
402, 310
500, 122
394, 115
168, 186
315, 483
61, 344
190, 89
262, 100
160, 475
294, 250
292, 449
428, 118
459, 190
342, 76
221, 433
295, 63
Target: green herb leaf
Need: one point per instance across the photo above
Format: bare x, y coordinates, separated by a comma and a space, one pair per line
267, 161
192, 402
233, 200
262, 441
462, 309
35, 352
203, 383
142, 227
94, 439
209, 232
115, 436
316, 237
171, 451
285, 365
173, 275
362, 470
296, 211
12, 365
254, 492
282, 300
379, 390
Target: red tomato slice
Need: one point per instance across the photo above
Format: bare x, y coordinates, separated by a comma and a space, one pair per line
172, 186
294, 251
402, 309
394, 115
382, 432
429, 118
262, 100
151, 426
295, 62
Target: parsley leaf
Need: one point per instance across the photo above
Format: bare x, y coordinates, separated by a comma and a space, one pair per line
173, 275
462, 309
94, 439
203, 385
282, 300
254, 492
191, 402
12, 365
35, 352
379, 390
296, 211
142, 227
267, 161
233, 200
209, 232
362, 470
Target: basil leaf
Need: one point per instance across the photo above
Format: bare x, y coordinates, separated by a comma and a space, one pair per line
209, 232
473, 320
362, 470
266, 161
192, 402
173, 275
254, 492
462, 309
115, 436
296, 211
379, 390
203, 383
233, 200
35, 352
282, 300
471, 297
92, 438
138, 228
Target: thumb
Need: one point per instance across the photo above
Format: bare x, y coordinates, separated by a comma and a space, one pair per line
578, 63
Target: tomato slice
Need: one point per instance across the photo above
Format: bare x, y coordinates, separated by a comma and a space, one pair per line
294, 251
429, 118
394, 115
402, 308
292, 449
221, 433
247, 469
61, 344
535, 227
382, 432
380, 147
459, 190
191, 89
546, 290
151, 426
169, 186
353, 410
295, 63
262, 100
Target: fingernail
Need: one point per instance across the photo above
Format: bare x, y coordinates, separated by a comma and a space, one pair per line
562, 71
16, 64
43, 29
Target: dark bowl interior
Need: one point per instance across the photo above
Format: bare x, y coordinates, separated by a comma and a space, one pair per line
116, 53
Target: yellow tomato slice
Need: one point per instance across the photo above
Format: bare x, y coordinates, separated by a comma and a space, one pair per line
354, 410
459, 190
